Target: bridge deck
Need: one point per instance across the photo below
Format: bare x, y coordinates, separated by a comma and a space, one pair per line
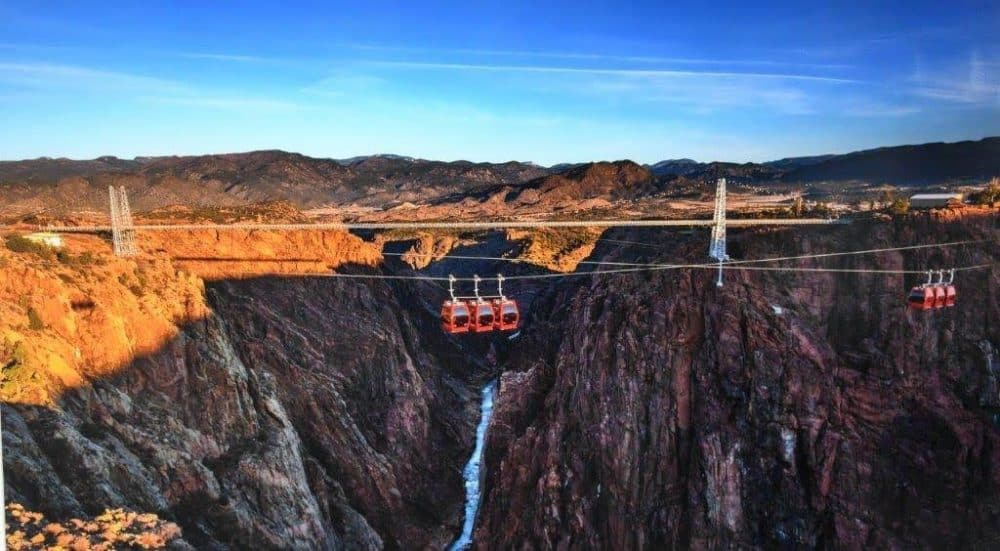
499, 224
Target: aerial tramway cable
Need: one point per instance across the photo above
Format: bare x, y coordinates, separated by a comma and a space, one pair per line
651, 268
729, 265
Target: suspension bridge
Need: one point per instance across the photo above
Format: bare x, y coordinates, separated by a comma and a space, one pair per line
123, 229
123, 234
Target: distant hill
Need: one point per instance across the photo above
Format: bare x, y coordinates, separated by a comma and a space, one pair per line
564, 166
361, 158
679, 167
930, 163
908, 164
238, 178
791, 163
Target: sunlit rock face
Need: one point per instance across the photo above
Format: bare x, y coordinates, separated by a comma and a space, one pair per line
293, 413
657, 411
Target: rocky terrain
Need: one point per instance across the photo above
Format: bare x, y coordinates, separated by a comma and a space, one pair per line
379, 182
222, 382
781, 411
265, 413
62, 185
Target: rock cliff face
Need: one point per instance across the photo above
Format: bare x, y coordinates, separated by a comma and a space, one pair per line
646, 410
784, 410
278, 413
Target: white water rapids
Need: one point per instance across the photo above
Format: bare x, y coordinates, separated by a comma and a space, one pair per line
472, 473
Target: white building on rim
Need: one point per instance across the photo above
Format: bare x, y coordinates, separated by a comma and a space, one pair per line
48, 239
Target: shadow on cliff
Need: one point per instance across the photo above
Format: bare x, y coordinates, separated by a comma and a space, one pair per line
658, 411
302, 411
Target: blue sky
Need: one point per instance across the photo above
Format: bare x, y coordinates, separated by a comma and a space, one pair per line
532, 81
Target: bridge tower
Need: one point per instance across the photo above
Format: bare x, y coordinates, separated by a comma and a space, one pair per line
717, 246
122, 231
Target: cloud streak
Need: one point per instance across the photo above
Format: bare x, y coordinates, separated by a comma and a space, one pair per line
654, 73
74, 77
599, 57
235, 103
49, 76
977, 83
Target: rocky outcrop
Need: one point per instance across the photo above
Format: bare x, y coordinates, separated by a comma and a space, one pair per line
656, 411
609, 181
306, 413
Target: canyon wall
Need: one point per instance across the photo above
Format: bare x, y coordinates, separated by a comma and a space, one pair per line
269, 412
645, 410
783, 410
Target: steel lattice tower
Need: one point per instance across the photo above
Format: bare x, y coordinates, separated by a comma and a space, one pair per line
122, 230
717, 247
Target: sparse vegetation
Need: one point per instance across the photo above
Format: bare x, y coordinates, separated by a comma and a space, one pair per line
268, 211
561, 241
20, 244
899, 205
886, 198
83, 259
137, 282
35, 322
798, 207
16, 375
989, 195
113, 529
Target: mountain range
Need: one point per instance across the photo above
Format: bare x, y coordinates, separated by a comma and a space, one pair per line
907, 165
383, 180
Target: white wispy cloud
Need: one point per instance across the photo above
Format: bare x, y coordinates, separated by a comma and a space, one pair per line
236, 103
974, 82
49, 75
247, 59
667, 60
864, 108
227, 57
696, 95
344, 84
663, 73
59, 78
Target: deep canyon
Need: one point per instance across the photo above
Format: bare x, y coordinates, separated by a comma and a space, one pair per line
647, 410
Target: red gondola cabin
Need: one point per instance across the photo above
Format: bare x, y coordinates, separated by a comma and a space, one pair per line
482, 318
921, 298
940, 296
455, 317
949, 295
505, 314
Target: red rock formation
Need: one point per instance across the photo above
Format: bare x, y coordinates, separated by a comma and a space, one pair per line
296, 413
655, 411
